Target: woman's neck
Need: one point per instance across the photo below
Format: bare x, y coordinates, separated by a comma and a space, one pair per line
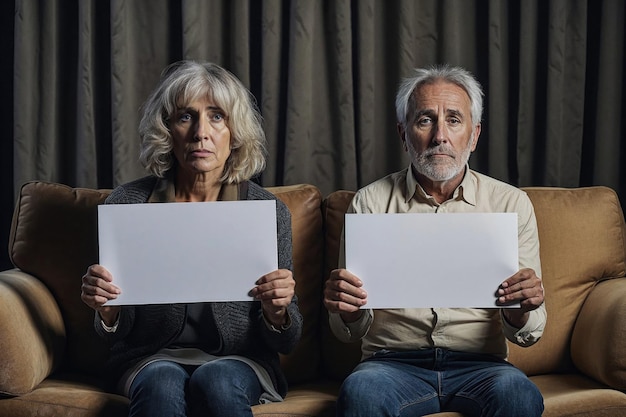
197, 189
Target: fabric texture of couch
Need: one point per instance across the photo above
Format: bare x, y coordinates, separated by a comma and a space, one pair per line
51, 358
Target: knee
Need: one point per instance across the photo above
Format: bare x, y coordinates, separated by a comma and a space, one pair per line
213, 379
518, 396
160, 379
357, 391
159, 389
354, 385
224, 381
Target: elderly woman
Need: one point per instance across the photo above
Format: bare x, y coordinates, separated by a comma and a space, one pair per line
202, 140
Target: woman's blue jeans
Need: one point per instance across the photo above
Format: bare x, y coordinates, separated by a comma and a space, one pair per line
417, 383
219, 388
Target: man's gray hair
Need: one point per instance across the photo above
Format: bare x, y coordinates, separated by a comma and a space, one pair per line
429, 75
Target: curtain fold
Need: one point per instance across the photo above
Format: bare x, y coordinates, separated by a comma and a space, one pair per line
604, 127
496, 153
324, 73
565, 87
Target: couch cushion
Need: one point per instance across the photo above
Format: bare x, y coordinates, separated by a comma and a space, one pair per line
575, 395
338, 358
581, 235
598, 344
304, 202
54, 237
33, 334
57, 397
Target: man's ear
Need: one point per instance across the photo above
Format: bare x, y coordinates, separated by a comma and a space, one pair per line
402, 135
475, 136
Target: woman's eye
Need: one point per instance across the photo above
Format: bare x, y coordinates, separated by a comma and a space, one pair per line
185, 117
217, 117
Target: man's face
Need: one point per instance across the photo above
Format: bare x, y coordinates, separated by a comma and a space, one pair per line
439, 135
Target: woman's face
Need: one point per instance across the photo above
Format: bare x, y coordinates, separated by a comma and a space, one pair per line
201, 138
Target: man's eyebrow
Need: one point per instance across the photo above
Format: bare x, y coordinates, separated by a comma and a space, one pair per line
455, 112
431, 113
424, 112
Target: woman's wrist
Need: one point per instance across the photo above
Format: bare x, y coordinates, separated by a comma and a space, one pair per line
109, 316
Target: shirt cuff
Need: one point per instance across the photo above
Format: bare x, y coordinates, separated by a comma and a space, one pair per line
350, 332
109, 329
530, 333
280, 328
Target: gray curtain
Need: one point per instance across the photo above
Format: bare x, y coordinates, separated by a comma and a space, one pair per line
324, 73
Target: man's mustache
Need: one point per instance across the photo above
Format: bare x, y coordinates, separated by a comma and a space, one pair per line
439, 150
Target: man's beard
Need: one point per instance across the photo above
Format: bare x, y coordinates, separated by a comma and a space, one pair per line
437, 170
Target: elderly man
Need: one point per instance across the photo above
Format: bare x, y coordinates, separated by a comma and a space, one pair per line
421, 361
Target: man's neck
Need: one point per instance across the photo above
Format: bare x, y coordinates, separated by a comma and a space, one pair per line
441, 191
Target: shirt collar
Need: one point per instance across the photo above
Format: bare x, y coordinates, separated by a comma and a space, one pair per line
466, 191
165, 192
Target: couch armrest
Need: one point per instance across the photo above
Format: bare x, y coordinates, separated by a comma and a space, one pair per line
599, 338
32, 332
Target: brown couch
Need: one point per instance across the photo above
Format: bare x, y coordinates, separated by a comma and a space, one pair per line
50, 356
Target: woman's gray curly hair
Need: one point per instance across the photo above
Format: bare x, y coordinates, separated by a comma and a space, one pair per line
183, 82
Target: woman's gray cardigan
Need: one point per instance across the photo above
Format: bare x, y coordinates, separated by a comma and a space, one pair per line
145, 329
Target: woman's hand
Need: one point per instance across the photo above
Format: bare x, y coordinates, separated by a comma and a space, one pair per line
97, 289
275, 291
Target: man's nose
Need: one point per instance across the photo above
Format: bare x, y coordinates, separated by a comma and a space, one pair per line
440, 134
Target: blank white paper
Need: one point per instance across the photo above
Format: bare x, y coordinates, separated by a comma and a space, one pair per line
445, 260
187, 252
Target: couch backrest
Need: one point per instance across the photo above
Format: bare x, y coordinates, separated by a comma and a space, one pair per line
582, 238
54, 237
582, 242
338, 358
581, 231
304, 203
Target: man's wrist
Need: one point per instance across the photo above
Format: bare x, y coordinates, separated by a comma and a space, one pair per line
351, 317
515, 318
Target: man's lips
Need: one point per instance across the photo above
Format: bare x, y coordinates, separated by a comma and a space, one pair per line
439, 154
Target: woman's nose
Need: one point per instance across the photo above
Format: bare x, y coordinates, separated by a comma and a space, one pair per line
201, 131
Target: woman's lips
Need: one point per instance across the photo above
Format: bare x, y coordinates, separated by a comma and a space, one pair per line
201, 152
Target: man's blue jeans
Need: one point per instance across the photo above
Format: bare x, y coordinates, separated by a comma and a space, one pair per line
417, 383
219, 388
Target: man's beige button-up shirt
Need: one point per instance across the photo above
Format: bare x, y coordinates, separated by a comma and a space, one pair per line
461, 329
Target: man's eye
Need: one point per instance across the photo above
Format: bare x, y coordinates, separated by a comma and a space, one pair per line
424, 121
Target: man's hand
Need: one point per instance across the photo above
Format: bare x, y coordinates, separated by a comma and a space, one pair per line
275, 291
344, 295
524, 287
